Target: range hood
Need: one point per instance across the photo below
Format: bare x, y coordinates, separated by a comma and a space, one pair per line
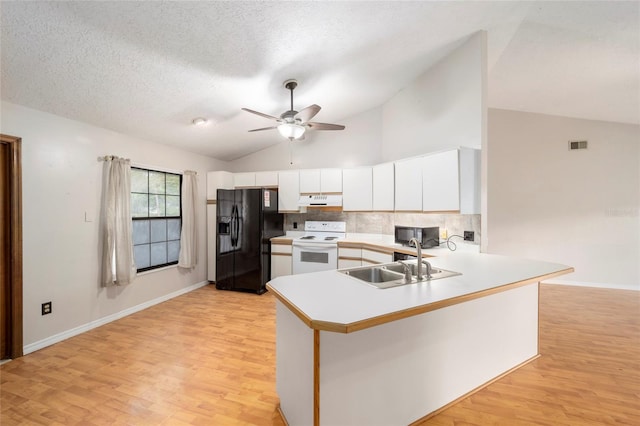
319, 200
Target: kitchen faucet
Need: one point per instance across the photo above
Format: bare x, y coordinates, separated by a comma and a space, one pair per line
416, 243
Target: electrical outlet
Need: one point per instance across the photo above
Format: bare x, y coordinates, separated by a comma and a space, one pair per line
469, 235
46, 308
443, 234
295, 225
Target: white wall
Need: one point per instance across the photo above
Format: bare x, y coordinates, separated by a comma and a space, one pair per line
443, 108
580, 208
358, 144
61, 181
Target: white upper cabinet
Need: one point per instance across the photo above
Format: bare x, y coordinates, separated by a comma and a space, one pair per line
408, 184
383, 187
218, 180
309, 181
316, 181
288, 191
244, 180
331, 180
440, 183
357, 189
451, 181
267, 179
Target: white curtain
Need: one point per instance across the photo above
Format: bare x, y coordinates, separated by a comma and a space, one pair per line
188, 238
118, 266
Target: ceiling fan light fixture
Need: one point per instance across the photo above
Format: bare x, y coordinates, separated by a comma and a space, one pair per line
291, 131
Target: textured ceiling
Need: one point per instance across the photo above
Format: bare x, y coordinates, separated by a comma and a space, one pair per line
148, 68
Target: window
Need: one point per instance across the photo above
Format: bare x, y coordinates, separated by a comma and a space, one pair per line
157, 218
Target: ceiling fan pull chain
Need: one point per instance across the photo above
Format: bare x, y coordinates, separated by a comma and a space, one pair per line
290, 153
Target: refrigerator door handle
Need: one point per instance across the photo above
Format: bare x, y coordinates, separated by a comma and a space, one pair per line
235, 226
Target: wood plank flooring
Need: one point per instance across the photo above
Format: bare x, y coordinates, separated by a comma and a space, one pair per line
208, 358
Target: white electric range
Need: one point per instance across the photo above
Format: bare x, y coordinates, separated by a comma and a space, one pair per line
317, 249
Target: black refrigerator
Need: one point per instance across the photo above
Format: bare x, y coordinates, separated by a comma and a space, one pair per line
247, 219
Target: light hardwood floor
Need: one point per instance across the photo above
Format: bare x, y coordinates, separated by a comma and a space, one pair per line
208, 358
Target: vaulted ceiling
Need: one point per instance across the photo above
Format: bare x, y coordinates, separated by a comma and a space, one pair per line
147, 69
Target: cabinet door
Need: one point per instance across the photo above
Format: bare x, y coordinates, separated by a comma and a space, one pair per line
288, 191
281, 260
267, 179
408, 184
309, 181
218, 180
383, 187
280, 265
372, 257
357, 189
244, 180
331, 180
440, 182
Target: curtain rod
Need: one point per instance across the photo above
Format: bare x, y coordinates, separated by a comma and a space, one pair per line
108, 157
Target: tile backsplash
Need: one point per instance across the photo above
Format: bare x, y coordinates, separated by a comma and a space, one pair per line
384, 222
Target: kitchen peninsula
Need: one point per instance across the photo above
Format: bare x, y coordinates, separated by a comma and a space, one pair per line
351, 354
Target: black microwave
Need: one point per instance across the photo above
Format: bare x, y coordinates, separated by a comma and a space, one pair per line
428, 237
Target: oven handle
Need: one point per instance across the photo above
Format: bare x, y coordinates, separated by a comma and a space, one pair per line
315, 247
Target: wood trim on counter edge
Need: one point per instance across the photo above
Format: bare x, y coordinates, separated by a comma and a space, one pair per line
316, 377
394, 316
303, 317
277, 253
471, 392
283, 242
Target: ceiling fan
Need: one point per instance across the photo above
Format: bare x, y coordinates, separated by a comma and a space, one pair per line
293, 124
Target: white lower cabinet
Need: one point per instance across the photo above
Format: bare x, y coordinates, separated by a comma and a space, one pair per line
373, 257
281, 260
349, 257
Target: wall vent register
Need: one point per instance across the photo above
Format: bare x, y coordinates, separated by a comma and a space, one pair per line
574, 145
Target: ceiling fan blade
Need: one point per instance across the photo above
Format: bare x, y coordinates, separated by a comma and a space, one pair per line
261, 114
308, 113
263, 128
325, 126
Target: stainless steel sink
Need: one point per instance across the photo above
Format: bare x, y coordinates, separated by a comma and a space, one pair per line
389, 275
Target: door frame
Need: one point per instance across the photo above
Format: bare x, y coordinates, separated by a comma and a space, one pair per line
15, 298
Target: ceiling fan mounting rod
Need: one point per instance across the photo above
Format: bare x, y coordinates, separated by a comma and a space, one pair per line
290, 85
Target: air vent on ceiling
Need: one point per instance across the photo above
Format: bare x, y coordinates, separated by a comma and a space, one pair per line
573, 145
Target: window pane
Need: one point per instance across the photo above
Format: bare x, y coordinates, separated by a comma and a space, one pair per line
139, 205
158, 253
173, 205
173, 229
156, 205
156, 182
173, 248
140, 231
139, 180
141, 256
173, 184
158, 230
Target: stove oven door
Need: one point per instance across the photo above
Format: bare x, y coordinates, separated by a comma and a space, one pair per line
310, 257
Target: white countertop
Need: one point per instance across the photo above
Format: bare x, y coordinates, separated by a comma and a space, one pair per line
387, 241
333, 301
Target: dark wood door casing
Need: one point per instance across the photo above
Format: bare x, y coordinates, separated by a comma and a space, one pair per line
11, 181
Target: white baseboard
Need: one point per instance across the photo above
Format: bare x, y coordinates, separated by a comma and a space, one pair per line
589, 284
105, 320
